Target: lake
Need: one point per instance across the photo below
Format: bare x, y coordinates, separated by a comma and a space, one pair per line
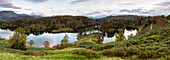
55, 38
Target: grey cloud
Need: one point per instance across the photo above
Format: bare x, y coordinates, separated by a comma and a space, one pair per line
79, 1
164, 4
6, 4
137, 11
98, 12
125, 10
37, 1
108, 11
131, 11
151, 10
145, 12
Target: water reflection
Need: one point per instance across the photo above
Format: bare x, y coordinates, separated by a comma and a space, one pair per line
110, 37
55, 38
6, 33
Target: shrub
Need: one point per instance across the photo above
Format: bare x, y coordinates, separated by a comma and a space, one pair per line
16, 45
19, 45
22, 46
148, 54
86, 52
64, 45
120, 52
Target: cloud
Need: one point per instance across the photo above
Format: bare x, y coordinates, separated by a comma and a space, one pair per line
164, 4
126, 4
131, 11
37, 1
145, 12
139, 10
54, 10
27, 9
163, 8
97, 12
93, 13
79, 1
6, 4
108, 11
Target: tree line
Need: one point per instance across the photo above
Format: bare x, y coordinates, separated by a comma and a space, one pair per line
77, 22
49, 23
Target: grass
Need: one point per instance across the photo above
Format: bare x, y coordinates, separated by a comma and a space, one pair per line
80, 51
64, 56
9, 56
31, 48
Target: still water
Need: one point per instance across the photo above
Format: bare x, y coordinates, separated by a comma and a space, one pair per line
55, 38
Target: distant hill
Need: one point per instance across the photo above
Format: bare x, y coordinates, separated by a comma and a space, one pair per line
10, 15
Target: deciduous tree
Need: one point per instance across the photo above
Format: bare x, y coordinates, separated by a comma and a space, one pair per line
46, 44
65, 39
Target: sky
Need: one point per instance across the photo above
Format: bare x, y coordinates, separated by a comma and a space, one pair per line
87, 7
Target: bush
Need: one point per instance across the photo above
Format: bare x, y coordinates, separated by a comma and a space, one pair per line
120, 52
148, 54
64, 45
87, 52
16, 45
19, 45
